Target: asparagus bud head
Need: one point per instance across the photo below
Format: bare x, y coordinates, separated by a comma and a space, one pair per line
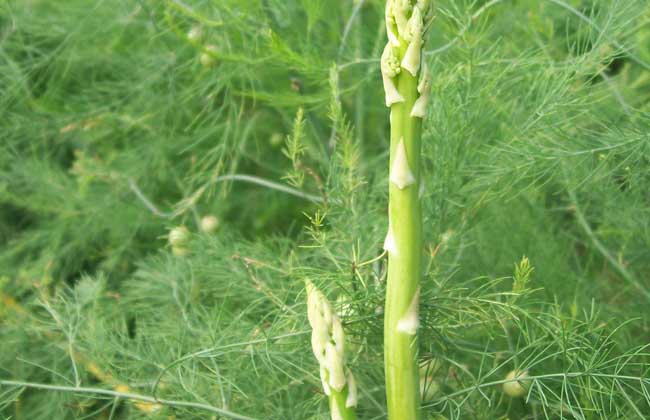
328, 345
390, 68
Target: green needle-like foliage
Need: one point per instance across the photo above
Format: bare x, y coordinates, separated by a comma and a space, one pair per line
122, 121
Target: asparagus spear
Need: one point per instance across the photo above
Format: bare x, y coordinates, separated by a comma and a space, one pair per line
406, 85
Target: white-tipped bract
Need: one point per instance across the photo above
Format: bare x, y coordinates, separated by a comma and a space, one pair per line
390, 24
410, 321
400, 172
413, 34
390, 245
424, 89
389, 69
397, 12
351, 400
334, 365
323, 380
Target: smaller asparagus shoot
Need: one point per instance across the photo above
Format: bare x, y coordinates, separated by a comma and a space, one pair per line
328, 344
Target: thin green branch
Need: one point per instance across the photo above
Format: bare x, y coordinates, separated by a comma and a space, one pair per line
127, 395
564, 376
234, 177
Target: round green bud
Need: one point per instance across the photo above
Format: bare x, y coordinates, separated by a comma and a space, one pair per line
195, 34
209, 224
207, 57
517, 385
178, 236
276, 139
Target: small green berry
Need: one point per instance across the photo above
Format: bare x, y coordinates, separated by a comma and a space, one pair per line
178, 238
209, 224
517, 385
207, 57
276, 139
195, 34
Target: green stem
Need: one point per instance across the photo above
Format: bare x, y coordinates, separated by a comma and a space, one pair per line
404, 266
126, 395
337, 405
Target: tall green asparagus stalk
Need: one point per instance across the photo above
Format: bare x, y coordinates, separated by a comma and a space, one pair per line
407, 85
328, 344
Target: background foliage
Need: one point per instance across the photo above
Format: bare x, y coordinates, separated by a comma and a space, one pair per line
114, 130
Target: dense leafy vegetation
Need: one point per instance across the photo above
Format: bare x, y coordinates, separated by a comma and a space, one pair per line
122, 120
